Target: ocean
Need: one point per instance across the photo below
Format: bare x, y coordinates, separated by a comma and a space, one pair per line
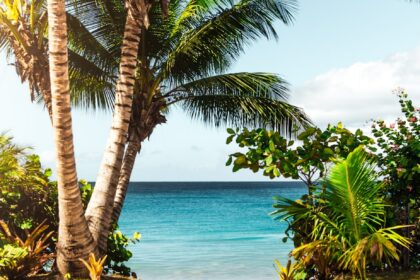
206, 230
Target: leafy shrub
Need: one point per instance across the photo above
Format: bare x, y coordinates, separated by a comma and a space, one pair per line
27, 196
23, 257
118, 252
308, 161
399, 160
396, 151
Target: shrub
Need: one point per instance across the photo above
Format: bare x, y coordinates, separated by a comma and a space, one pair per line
27, 195
399, 160
118, 252
23, 257
28, 199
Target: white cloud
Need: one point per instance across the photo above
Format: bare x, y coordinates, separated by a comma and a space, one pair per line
361, 91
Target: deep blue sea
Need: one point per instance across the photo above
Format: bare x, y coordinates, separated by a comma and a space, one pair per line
200, 230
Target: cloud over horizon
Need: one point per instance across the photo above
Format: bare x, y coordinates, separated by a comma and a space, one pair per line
361, 91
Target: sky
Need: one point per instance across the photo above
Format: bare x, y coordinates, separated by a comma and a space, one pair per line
342, 58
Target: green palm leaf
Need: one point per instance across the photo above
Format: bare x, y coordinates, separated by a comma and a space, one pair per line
240, 99
239, 111
216, 39
353, 194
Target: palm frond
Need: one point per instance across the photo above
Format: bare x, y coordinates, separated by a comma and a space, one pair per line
84, 43
215, 40
92, 68
240, 99
242, 83
104, 19
378, 246
352, 193
193, 10
249, 111
91, 86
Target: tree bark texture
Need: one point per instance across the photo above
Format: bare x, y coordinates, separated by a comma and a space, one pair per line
74, 238
99, 210
130, 155
144, 119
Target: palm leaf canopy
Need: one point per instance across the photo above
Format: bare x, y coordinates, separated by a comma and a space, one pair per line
184, 58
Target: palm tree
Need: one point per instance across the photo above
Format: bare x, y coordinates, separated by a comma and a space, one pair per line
74, 238
99, 210
109, 170
348, 221
183, 61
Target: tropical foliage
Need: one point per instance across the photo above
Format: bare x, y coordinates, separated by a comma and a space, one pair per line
28, 201
28, 196
118, 252
288, 272
19, 257
347, 221
309, 161
399, 161
23, 26
184, 57
94, 266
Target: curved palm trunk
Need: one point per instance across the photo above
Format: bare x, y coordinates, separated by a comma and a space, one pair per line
74, 238
99, 210
149, 118
133, 148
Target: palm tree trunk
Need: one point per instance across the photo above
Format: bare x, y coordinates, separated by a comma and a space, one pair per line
134, 147
99, 210
144, 120
74, 238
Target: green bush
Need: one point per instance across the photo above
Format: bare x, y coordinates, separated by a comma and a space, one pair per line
117, 251
396, 152
27, 195
19, 257
28, 198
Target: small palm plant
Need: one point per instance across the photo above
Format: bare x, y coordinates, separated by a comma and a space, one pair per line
94, 266
350, 217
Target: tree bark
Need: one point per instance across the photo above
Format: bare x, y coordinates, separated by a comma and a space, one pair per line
144, 119
99, 210
133, 148
74, 238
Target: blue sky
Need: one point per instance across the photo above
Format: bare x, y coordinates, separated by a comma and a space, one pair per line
343, 59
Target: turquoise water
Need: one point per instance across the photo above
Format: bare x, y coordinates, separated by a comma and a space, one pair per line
215, 231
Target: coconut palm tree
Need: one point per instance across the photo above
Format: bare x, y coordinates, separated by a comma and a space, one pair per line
135, 19
74, 239
22, 33
183, 61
